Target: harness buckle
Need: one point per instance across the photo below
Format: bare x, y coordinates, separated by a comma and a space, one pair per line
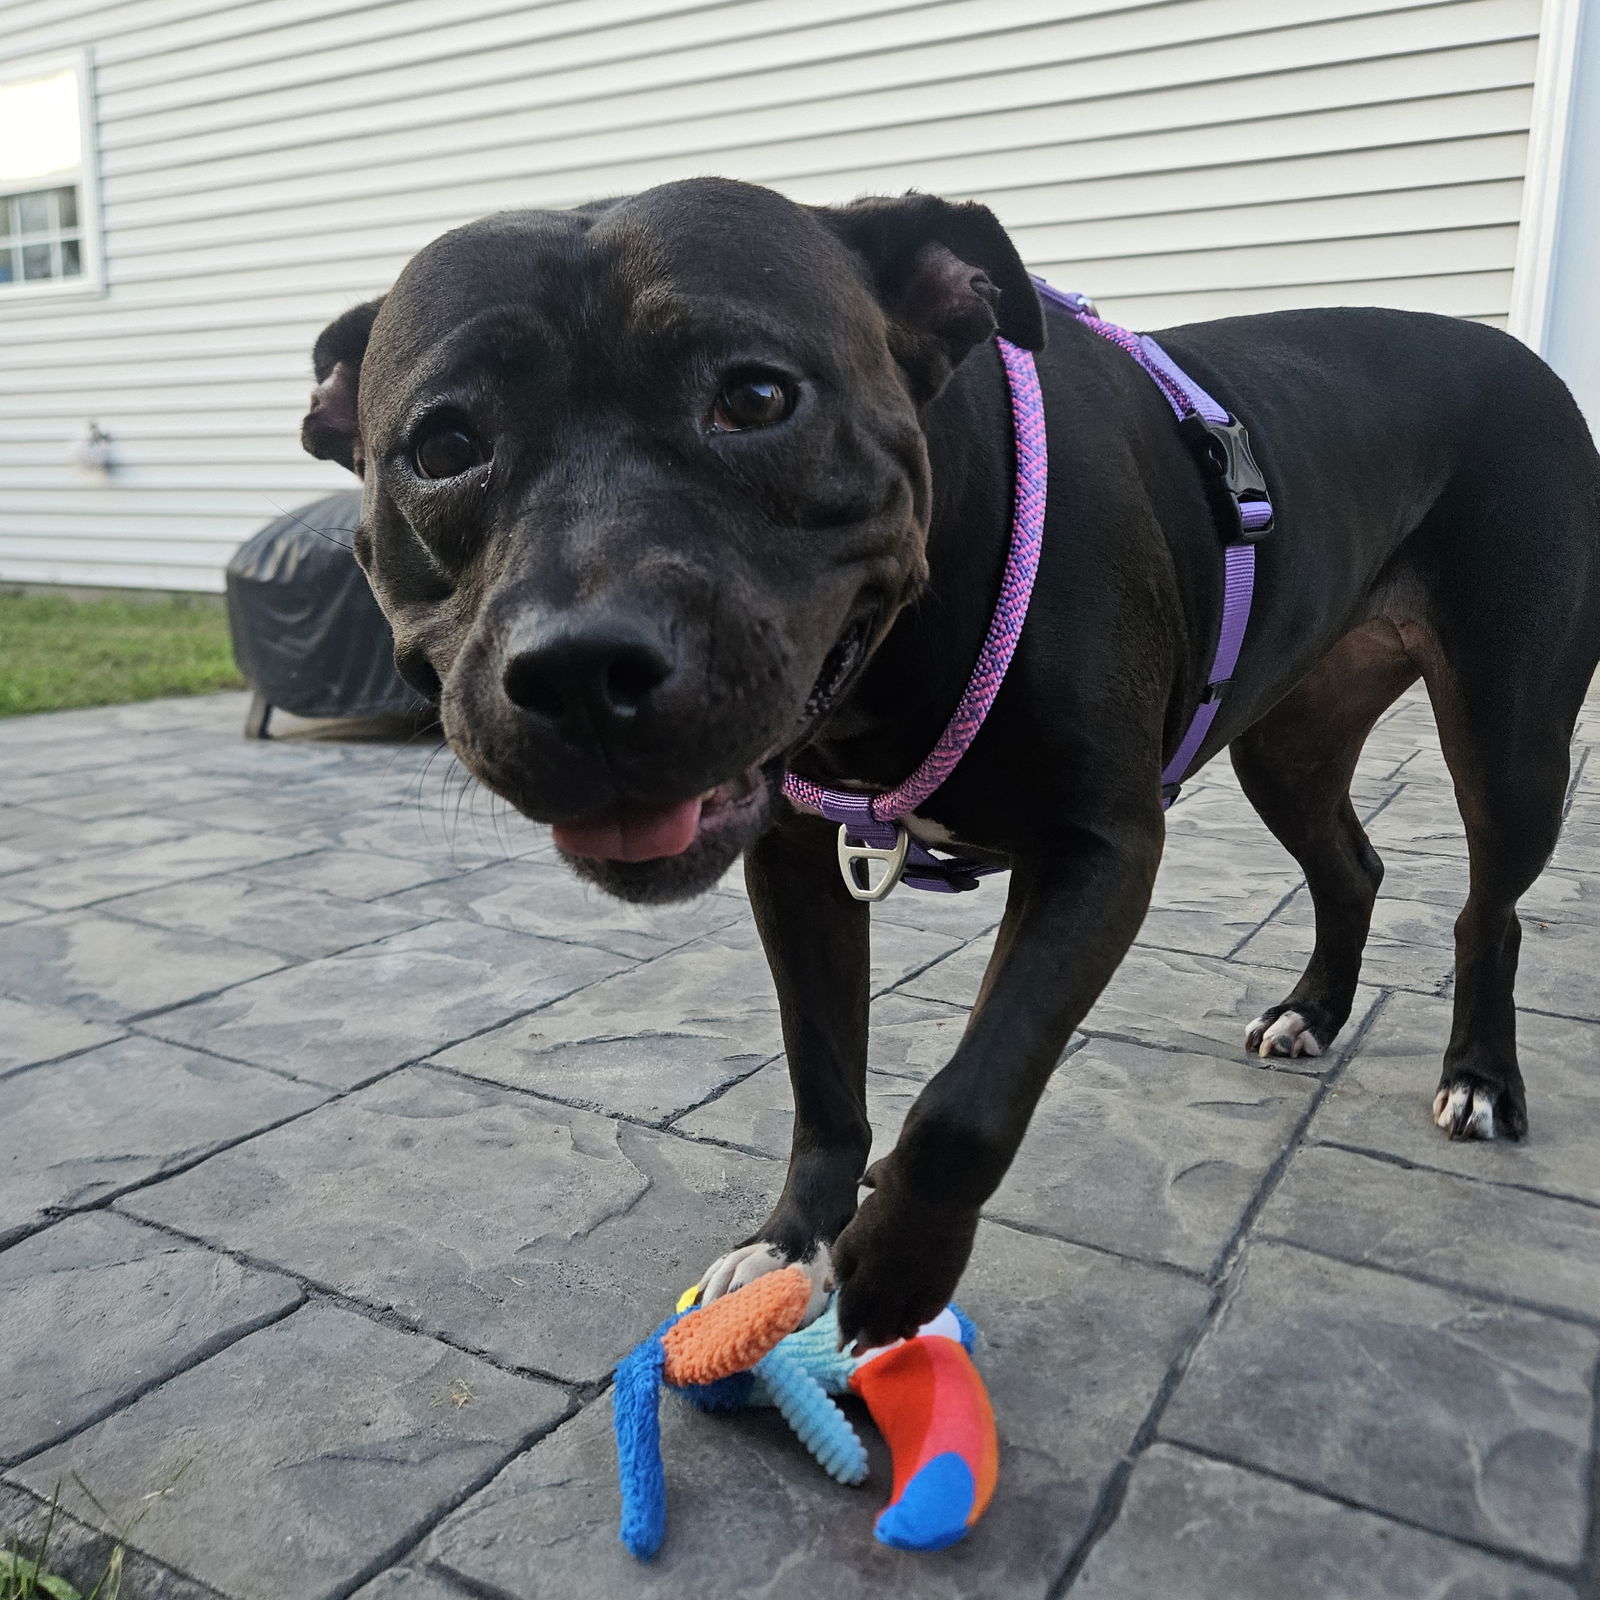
1223, 449
853, 859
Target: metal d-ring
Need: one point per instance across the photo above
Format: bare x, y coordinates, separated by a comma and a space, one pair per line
894, 860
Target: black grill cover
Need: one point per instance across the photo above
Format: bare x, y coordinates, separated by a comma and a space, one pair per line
307, 634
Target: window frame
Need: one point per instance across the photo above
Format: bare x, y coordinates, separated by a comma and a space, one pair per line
85, 178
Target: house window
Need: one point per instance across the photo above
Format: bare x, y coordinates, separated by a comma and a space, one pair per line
39, 237
48, 240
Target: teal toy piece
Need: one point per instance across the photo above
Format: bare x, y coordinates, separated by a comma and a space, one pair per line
785, 1378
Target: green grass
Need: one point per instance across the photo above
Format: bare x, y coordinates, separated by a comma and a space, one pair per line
25, 1573
26, 1577
56, 652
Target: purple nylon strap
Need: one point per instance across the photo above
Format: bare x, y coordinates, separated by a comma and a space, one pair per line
1188, 399
873, 820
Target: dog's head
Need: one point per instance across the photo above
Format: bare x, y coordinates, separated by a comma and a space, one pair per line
645, 484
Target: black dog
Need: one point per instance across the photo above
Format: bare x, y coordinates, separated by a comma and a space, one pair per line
667, 495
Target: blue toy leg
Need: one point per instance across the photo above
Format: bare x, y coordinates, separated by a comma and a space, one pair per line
636, 1419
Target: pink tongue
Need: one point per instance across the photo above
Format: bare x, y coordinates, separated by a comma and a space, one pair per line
637, 838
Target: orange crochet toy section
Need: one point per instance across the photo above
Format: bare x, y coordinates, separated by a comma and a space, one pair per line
732, 1334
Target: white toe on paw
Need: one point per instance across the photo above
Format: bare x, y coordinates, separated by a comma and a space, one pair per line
1465, 1113
752, 1261
1287, 1035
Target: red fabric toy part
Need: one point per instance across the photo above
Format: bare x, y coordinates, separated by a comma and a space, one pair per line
931, 1407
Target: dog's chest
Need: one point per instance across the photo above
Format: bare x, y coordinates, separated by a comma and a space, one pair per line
928, 831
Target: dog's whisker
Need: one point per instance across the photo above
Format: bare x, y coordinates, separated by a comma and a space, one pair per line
420, 778
310, 527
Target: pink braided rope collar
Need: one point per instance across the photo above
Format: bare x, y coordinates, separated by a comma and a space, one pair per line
1005, 626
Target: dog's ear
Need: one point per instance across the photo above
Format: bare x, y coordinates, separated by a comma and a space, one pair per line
947, 272
330, 428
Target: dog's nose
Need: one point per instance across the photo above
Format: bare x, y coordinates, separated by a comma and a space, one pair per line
601, 673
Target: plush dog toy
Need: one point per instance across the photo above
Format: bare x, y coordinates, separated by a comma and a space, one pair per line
748, 1348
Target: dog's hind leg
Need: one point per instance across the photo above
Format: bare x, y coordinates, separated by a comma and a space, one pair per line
1505, 625
1505, 726
1295, 767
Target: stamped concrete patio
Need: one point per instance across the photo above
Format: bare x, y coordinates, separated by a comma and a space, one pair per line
346, 1141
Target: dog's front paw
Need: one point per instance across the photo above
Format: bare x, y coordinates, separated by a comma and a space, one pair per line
1303, 1030
759, 1257
1475, 1105
897, 1267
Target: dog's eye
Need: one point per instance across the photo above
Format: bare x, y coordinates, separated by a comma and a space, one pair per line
751, 400
448, 452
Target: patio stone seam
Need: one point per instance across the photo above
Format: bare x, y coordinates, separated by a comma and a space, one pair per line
131, 1017
66, 1055
1036, 1231
410, 1061
423, 1525
1227, 1259
1557, 1016
630, 1118
1573, 875
171, 883
1408, 1164
735, 913
1417, 855
580, 1390
93, 853
1108, 1506
109, 1200
1270, 1064
202, 1353
430, 856
1505, 1553
1225, 1279
108, 908
252, 870
1299, 884
1206, 955
1589, 1566
1398, 705
135, 1031
667, 1123
319, 1293
104, 1202
335, 1094
587, 944
1454, 1286
908, 919
476, 1588
911, 977
1369, 816
668, 1126
480, 1587
1433, 992
711, 1142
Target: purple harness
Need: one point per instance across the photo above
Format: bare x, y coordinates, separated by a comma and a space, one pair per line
870, 826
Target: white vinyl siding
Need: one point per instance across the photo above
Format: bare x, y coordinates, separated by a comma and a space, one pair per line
265, 164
